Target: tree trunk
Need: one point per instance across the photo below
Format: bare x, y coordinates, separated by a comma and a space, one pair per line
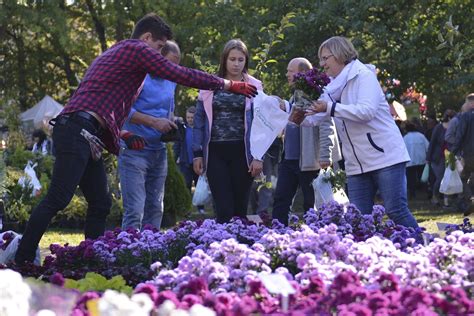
119, 25
22, 84
99, 26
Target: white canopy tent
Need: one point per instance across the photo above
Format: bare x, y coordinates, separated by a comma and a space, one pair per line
39, 115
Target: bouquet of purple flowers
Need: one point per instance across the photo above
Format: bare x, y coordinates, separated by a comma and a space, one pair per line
311, 83
309, 86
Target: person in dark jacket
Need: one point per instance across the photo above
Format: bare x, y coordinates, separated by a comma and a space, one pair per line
435, 154
184, 153
464, 146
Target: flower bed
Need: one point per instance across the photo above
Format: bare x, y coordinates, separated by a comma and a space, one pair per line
338, 261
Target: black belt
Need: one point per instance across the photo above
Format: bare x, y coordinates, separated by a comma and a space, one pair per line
62, 119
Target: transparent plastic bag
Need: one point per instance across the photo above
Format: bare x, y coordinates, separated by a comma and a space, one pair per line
202, 193
8, 254
451, 182
323, 190
459, 165
426, 174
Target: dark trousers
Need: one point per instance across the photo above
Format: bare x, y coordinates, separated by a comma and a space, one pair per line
229, 179
261, 198
73, 166
188, 174
467, 177
413, 174
289, 178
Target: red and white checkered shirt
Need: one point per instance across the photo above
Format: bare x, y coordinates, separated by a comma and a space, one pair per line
112, 83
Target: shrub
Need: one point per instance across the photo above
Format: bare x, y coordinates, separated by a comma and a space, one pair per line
116, 211
18, 199
177, 200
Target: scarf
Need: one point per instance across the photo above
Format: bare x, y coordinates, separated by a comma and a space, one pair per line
333, 91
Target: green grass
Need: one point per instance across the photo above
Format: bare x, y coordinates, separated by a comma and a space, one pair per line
428, 215
62, 236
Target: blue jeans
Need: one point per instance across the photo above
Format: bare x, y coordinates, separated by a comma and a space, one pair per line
391, 184
142, 180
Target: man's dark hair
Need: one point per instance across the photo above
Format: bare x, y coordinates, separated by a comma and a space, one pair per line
410, 127
41, 136
448, 115
155, 25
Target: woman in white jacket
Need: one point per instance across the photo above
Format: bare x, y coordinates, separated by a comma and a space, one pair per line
373, 148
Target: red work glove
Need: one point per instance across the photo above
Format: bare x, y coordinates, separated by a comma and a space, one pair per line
133, 141
243, 88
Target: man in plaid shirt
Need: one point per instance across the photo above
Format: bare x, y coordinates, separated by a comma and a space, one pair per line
98, 110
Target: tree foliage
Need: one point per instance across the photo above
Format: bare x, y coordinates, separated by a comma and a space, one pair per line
46, 46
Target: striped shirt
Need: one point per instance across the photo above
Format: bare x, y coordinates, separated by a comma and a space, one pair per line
111, 84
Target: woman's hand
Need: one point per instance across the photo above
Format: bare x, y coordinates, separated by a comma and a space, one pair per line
318, 107
256, 167
324, 164
198, 166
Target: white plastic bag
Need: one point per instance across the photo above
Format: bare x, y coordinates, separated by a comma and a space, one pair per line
8, 254
202, 193
30, 179
322, 189
323, 192
341, 197
268, 122
451, 182
459, 165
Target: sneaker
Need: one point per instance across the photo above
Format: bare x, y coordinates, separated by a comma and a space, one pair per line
201, 211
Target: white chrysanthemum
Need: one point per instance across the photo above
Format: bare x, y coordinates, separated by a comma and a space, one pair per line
14, 294
166, 308
113, 303
199, 310
45, 312
143, 301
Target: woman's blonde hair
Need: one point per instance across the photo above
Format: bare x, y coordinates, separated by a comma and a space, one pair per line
342, 49
230, 45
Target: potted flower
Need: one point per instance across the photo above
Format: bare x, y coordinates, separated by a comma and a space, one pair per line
309, 86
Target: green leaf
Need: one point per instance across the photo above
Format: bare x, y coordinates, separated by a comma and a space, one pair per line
450, 37
440, 37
